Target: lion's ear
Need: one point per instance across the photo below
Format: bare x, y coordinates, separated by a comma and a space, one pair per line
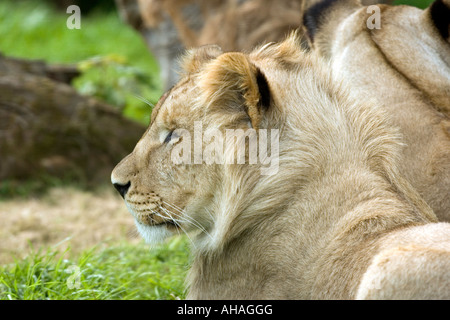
321, 18
232, 81
439, 12
193, 59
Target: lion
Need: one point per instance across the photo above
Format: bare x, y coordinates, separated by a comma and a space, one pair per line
335, 220
404, 63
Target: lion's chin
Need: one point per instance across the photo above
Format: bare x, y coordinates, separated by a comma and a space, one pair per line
153, 234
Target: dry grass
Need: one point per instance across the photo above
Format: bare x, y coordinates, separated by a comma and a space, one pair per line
86, 218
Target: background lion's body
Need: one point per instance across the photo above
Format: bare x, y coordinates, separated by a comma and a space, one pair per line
405, 66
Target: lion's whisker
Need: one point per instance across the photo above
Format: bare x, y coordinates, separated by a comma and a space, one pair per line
188, 219
144, 100
178, 225
210, 214
132, 233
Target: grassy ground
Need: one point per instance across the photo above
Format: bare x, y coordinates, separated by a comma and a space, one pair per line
68, 236
126, 271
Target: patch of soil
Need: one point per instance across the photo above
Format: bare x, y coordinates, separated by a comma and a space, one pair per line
79, 219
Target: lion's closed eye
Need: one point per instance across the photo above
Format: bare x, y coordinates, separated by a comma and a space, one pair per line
169, 136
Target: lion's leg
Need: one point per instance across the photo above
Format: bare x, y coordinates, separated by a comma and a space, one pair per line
407, 272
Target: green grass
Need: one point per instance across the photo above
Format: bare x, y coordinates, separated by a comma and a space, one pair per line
122, 272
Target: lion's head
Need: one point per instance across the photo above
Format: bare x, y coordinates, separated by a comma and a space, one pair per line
171, 179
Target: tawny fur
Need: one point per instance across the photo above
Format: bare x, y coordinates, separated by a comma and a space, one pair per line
168, 26
405, 65
326, 226
232, 24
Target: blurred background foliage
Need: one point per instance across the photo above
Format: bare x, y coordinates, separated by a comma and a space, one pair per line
116, 65
416, 3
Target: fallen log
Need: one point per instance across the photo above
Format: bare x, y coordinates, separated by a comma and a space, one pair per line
58, 72
46, 126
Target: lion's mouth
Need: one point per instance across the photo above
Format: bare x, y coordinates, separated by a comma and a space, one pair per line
167, 223
152, 214
157, 220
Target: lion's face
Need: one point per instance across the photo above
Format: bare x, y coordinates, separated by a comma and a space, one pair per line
160, 192
165, 186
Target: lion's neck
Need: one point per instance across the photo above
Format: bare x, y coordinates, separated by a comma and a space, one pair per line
293, 248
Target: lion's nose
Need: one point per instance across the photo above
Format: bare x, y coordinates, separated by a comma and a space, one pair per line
122, 188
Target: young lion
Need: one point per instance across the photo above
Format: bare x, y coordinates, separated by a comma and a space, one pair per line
399, 55
336, 221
